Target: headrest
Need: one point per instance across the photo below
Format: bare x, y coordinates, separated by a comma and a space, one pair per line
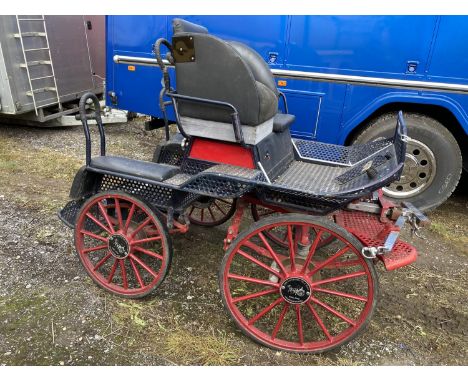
184, 26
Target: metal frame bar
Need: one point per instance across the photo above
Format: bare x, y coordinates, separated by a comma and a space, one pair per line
84, 120
236, 124
327, 77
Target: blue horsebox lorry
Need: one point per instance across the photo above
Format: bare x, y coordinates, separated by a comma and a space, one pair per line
344, 78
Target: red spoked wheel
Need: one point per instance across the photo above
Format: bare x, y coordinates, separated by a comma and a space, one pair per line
122, 244
298, 298
280, 238
210, 212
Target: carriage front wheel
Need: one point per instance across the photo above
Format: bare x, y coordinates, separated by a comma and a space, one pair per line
122, 244
301, 297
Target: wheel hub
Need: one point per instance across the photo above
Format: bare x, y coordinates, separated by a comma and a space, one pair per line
418, 172
295, 290
119, 246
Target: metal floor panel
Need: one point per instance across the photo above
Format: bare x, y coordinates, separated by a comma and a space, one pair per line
311, 178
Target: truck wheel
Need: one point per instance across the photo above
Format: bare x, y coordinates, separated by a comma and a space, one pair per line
433, 162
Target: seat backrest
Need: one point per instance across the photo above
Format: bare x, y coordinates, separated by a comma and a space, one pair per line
222, 71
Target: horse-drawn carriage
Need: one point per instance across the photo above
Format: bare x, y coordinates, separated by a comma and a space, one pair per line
302, 277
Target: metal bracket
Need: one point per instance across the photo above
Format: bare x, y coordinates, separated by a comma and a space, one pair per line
409, 214
184, 49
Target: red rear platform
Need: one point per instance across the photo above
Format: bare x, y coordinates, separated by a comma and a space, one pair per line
372, 233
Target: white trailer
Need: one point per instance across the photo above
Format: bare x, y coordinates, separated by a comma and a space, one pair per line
47, 63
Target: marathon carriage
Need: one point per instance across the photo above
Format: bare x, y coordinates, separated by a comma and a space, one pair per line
301, 278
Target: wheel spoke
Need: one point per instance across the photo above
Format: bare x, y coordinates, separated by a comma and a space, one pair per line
319, 321
148, 252
259, 263
312, 249
252, 280
341, 294
90, 216
225, 202
328, 261
124, 273
201, 213
273, 253
339, 278
129, 217
341, 264
137, 274
211, 213
146, 240
102, 261
191, 210
111, 275
333, 311
141, 226
299, 324
94, 249
280, 320
260, 250
93, 235
143, 265
292, 252
105, 216
254, 295
118, 210
218, 207
265, 311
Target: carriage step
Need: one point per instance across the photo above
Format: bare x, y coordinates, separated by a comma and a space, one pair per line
372, 233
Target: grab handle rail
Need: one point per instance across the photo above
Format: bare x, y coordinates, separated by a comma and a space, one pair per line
84, 120
236, 124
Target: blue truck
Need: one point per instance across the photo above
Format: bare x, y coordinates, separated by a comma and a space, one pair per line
344, 77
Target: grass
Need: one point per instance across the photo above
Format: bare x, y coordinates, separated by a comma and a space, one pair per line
206, 349
452, 224
35, 178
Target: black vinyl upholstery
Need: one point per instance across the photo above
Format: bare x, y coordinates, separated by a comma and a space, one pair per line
181, 26
281, 122
149, 170
229, 72
259, 68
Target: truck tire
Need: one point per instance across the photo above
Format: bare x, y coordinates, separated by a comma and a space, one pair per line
433, 159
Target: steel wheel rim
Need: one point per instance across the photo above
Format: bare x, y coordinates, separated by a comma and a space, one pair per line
140, 269
267, 338
418, 172
211, 212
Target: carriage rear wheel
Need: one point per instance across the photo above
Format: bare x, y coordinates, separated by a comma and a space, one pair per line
211, 212
122, 244
298, 298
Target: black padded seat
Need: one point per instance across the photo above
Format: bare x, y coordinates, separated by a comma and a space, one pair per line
125, 166
222, 71
282, 121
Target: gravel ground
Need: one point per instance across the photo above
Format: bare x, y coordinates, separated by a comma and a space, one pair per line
51, 313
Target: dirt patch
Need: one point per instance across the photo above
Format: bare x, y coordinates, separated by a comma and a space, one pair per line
51, 313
